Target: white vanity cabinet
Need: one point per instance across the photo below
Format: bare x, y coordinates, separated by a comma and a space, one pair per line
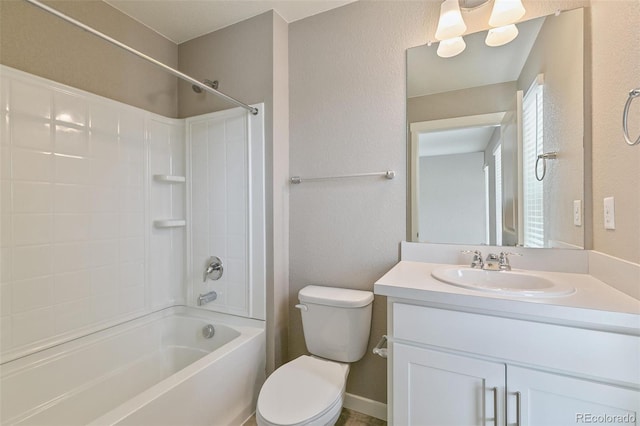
450, 367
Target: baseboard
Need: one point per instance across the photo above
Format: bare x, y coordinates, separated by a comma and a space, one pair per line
366, 406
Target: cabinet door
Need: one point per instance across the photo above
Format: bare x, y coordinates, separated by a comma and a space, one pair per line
552, 399
440, 389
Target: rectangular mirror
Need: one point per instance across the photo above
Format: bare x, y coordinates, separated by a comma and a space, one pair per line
496, 138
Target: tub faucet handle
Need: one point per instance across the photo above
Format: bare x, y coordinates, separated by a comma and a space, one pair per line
214, 269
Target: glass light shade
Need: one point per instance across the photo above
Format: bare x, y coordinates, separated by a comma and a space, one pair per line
506, 12
450, 23
451, 47
501, 35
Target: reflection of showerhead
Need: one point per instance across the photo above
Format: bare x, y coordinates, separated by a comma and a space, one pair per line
212, 84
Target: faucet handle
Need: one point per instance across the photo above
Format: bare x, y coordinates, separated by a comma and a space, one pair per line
477, 261
503, 261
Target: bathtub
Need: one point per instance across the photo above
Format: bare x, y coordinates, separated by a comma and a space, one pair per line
155, 370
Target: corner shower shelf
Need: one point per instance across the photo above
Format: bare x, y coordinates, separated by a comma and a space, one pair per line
169, 178
169, 223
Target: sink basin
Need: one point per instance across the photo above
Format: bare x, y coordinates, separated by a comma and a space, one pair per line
515, 282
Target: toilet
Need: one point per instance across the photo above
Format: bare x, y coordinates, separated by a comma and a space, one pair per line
310, 389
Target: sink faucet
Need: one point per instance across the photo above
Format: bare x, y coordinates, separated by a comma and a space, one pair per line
477, 261
498, 262
503, 260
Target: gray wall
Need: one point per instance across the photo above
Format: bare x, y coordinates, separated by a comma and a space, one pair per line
239, 56
452, 192
34, 41
347, 100
460, 103
616, 166
558, 55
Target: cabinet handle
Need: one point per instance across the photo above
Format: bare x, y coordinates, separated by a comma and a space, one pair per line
517, 408
495, 406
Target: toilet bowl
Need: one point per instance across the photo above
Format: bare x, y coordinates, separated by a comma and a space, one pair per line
305, 391
310, 389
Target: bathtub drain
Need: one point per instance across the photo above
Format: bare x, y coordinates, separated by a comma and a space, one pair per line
208, 331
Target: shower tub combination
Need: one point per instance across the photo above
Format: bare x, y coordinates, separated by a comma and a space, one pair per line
161, 369
176, 366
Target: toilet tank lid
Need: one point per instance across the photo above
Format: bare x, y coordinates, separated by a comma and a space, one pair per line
332, 296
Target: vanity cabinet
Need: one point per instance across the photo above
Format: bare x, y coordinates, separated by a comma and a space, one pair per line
459, 368
438, 388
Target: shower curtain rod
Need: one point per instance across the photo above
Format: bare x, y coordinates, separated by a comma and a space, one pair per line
147, 58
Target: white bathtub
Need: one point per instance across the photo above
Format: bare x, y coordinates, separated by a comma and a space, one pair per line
155, 370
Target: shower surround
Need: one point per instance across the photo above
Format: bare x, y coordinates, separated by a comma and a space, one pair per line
97, 226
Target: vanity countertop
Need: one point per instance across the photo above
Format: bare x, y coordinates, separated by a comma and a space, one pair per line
595, 305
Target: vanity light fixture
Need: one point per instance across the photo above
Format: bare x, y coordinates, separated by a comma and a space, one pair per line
503, 16
506, 12
451, 47
451, 26
501, 35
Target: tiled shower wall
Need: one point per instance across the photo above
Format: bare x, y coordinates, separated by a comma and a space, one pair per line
78, 247
227, 216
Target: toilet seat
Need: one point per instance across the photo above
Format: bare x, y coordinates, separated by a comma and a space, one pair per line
307, 390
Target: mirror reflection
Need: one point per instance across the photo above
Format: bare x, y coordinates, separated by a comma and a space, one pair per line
496, 138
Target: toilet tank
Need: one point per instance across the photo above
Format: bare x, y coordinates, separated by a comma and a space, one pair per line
336, 321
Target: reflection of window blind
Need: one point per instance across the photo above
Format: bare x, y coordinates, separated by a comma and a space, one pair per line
497, 155
532, 135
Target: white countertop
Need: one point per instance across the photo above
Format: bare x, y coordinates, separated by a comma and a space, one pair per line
595, 305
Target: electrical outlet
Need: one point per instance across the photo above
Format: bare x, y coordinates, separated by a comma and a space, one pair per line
577, 212
609, 213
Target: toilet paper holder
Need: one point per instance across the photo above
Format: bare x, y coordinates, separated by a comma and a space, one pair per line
379, 349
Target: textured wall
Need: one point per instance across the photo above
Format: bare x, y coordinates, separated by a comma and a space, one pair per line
347, 88
34, 41
558, 55
616, 166
239, 56
347, 100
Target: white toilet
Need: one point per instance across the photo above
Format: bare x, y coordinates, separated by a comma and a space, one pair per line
310, 389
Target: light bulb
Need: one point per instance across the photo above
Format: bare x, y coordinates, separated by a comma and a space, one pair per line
451, 47
506, 12
501, 35
450, 23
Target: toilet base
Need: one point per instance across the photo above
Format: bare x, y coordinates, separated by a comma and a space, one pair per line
328, 419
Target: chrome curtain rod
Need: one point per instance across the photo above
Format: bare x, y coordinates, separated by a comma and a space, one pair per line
389, 174
147, 58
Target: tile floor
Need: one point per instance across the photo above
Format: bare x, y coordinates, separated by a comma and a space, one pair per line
347, 418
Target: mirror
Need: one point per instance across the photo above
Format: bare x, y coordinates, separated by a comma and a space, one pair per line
496, 138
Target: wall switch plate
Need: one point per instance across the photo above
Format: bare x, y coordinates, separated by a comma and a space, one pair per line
609, 213
577, 212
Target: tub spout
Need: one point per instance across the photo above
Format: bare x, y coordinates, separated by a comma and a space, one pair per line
203, 299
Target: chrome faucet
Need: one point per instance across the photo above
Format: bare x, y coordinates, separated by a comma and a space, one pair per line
214, 269
207, 297
498, 262
477, 261
503, 260
493, 262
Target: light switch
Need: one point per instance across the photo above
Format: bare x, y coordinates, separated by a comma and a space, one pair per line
609, 213
577, 212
